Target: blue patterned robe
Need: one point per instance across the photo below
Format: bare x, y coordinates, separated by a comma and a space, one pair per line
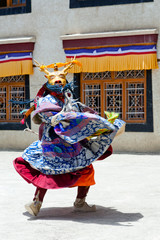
74, 141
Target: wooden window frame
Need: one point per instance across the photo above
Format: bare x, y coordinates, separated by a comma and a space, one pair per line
124, 83
115, 81
16, 5
14, 124
10, 4
137, 126
16, 9
95, 3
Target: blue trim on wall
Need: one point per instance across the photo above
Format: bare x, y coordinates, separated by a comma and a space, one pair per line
95, 3
16, 10
131, 127
18, 126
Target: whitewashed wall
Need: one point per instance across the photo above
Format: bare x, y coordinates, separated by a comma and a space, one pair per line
49, 20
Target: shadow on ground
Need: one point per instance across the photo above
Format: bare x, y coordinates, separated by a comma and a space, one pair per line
104, 216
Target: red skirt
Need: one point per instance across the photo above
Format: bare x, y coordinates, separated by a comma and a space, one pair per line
41, 180
83, 177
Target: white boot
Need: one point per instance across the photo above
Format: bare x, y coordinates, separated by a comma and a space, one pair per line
34, 207
81, 206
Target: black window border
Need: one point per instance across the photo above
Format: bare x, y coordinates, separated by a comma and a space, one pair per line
130, 127
18, 126
95, 3
16, 10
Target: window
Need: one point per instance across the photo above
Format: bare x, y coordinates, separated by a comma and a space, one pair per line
8, 7
12, 3
94, 3
127, 92
12, 88
18, 2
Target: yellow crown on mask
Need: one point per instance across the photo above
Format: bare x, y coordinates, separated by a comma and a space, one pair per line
57, 76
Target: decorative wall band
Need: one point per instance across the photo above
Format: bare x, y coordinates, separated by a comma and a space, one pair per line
16, 47
106, 41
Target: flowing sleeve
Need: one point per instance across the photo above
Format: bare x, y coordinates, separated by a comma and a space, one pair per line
80, 126
47, 107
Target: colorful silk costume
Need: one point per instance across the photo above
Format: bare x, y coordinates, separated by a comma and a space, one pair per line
71, 137
78, 138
